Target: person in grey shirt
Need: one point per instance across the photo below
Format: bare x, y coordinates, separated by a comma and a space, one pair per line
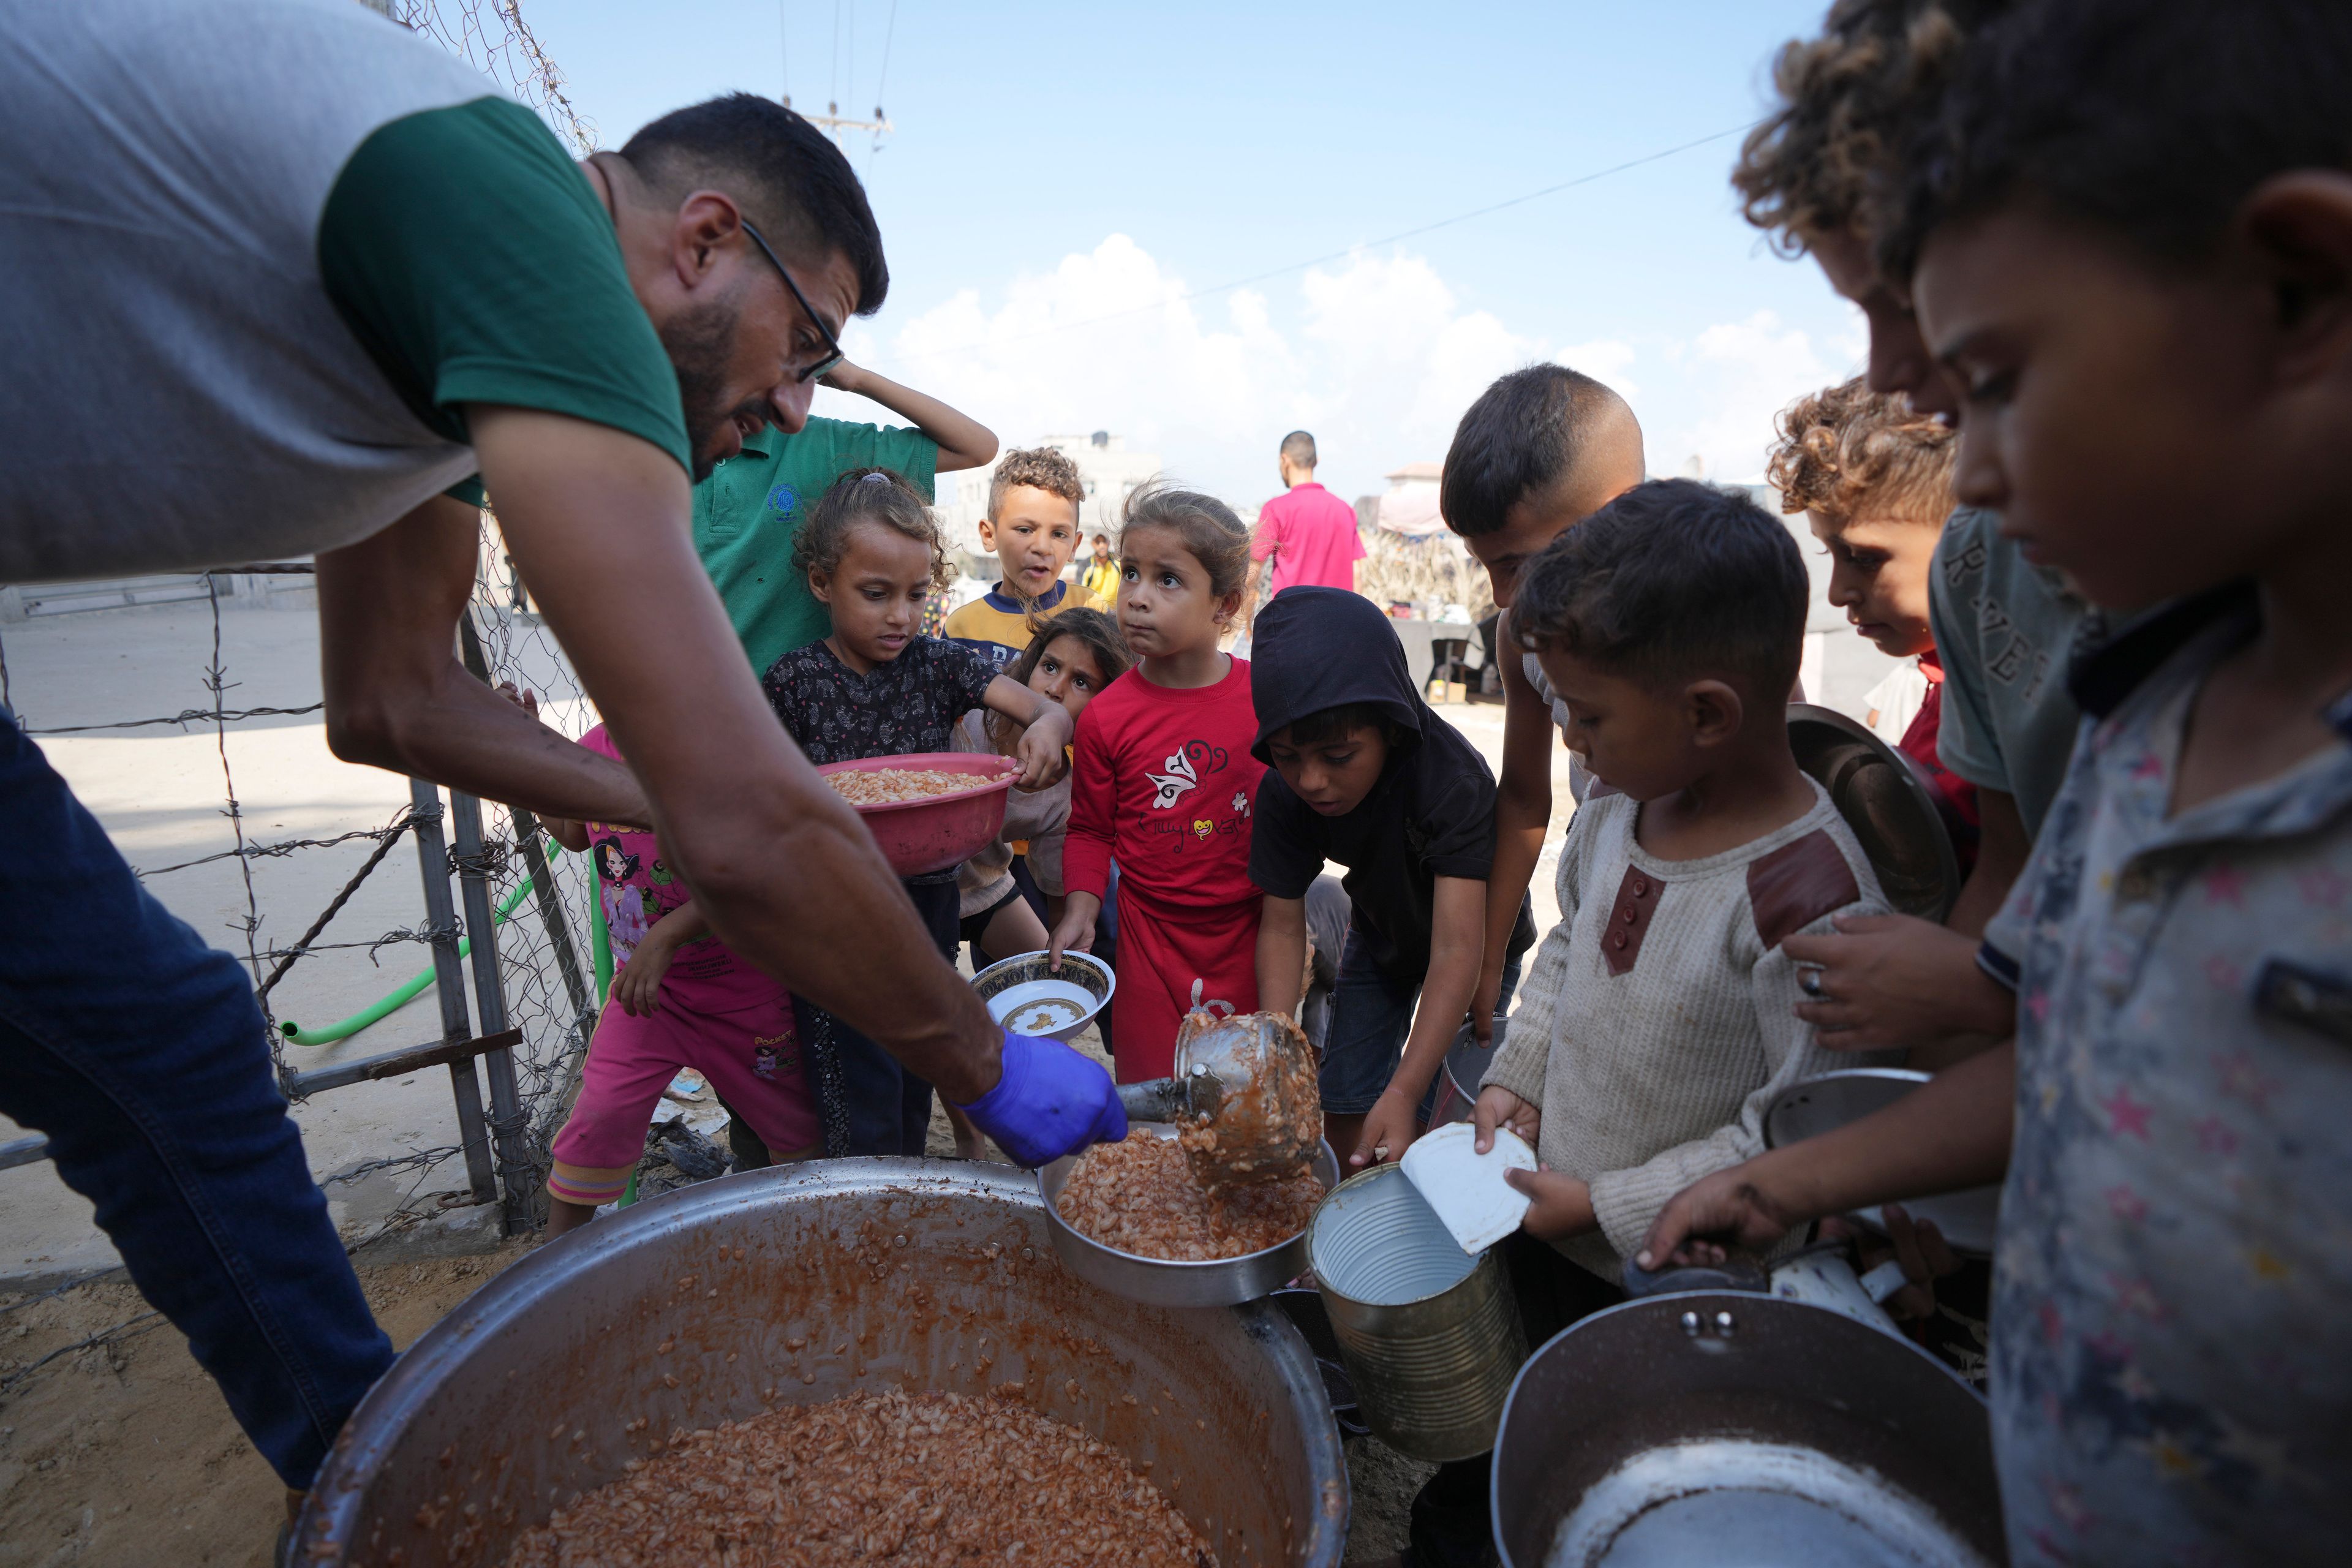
261, 243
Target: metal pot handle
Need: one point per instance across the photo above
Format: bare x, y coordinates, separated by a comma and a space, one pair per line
1736, 1274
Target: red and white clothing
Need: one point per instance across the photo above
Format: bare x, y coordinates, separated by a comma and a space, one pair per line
1163, 783
1919, 743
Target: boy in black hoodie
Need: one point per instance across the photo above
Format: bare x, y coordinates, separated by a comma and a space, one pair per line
1365, 774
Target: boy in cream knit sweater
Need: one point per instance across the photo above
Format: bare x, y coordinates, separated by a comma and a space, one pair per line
1658, 1021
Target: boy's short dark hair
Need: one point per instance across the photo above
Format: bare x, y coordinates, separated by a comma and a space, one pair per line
1045, 469
791, 181
1299, 447
2152, 118
1519, 438
1673, 581
1326, 725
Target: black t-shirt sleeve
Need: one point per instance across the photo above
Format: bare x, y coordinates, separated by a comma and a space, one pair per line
964, 671
1454, 812
1285, 855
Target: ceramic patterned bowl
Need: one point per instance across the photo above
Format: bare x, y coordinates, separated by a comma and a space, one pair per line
1026, 996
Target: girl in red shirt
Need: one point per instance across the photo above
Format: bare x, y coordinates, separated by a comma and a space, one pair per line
1163, 781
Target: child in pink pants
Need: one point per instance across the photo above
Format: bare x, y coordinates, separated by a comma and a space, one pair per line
679, 999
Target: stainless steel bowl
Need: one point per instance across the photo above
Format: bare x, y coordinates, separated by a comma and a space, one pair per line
1062, 1018
1968, 1219
798, 1284
1214, 1282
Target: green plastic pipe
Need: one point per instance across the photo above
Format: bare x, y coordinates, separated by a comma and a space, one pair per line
391, 1003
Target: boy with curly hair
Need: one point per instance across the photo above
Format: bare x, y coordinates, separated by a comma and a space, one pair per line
1032, 528
2130, 240
1874, 477
1816, 178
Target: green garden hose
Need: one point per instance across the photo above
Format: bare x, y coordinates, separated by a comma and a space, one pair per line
393, 1001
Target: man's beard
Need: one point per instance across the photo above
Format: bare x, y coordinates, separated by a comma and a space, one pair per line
700, 342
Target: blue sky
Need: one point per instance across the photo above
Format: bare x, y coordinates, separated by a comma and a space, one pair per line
1054, 164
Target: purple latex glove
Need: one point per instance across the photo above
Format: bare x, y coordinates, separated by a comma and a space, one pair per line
1050, 1103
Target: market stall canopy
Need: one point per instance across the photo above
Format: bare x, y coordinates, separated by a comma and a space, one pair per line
1409, 505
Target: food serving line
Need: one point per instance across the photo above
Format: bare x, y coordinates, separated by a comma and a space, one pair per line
852, 1321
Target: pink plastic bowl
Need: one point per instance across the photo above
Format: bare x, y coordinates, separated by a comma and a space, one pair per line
941, 830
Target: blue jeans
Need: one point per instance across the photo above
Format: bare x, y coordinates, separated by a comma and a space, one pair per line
888, 1108
1371, 1013
142, 1055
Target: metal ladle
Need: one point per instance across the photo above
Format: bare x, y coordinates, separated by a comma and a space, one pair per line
1244, 1096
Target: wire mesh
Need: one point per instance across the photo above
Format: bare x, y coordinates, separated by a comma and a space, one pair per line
491, 37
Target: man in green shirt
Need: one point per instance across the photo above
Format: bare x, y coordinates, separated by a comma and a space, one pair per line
331, 276
747, 513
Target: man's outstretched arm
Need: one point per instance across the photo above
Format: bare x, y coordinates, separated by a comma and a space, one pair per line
397, 698
597, 521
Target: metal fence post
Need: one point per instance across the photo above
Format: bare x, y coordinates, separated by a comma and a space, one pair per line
449, 985
544, 893
518, 1173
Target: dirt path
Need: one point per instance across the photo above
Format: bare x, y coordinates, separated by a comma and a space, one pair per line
122, 1453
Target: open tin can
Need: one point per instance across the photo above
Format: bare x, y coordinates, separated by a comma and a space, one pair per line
1430, 1334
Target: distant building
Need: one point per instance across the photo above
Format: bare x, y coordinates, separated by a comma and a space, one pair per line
1111, 473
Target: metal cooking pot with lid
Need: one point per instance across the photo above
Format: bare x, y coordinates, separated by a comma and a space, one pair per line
799, 1284
1709, 1427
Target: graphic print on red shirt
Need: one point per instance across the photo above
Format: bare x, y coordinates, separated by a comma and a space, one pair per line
1165, 783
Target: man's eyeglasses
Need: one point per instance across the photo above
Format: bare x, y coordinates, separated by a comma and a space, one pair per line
833, 354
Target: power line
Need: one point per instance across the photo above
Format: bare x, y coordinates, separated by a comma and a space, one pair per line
888, 32
1342, 254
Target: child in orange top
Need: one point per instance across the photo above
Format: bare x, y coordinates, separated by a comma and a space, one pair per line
1164, 782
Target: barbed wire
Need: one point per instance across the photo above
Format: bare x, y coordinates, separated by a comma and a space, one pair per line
184, 717
509, 54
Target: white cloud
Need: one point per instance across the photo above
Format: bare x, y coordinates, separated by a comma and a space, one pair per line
1735, 376
1608, 360
1376, 354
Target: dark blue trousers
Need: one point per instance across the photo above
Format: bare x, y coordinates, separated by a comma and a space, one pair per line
141, 1054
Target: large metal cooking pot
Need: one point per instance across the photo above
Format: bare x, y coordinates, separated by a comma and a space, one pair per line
799, 1284
1715, 1427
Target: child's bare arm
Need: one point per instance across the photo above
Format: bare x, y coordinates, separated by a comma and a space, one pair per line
964, 442
637, 987
1457, 935
2001, 851
1950, 1133
1281, 955
1522, 816
1046, 730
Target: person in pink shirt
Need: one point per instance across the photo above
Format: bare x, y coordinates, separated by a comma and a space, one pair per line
679, 999
1309, 531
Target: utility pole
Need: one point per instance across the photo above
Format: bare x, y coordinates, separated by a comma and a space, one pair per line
833, 123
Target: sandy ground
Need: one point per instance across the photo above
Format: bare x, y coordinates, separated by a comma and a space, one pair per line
123, 1454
